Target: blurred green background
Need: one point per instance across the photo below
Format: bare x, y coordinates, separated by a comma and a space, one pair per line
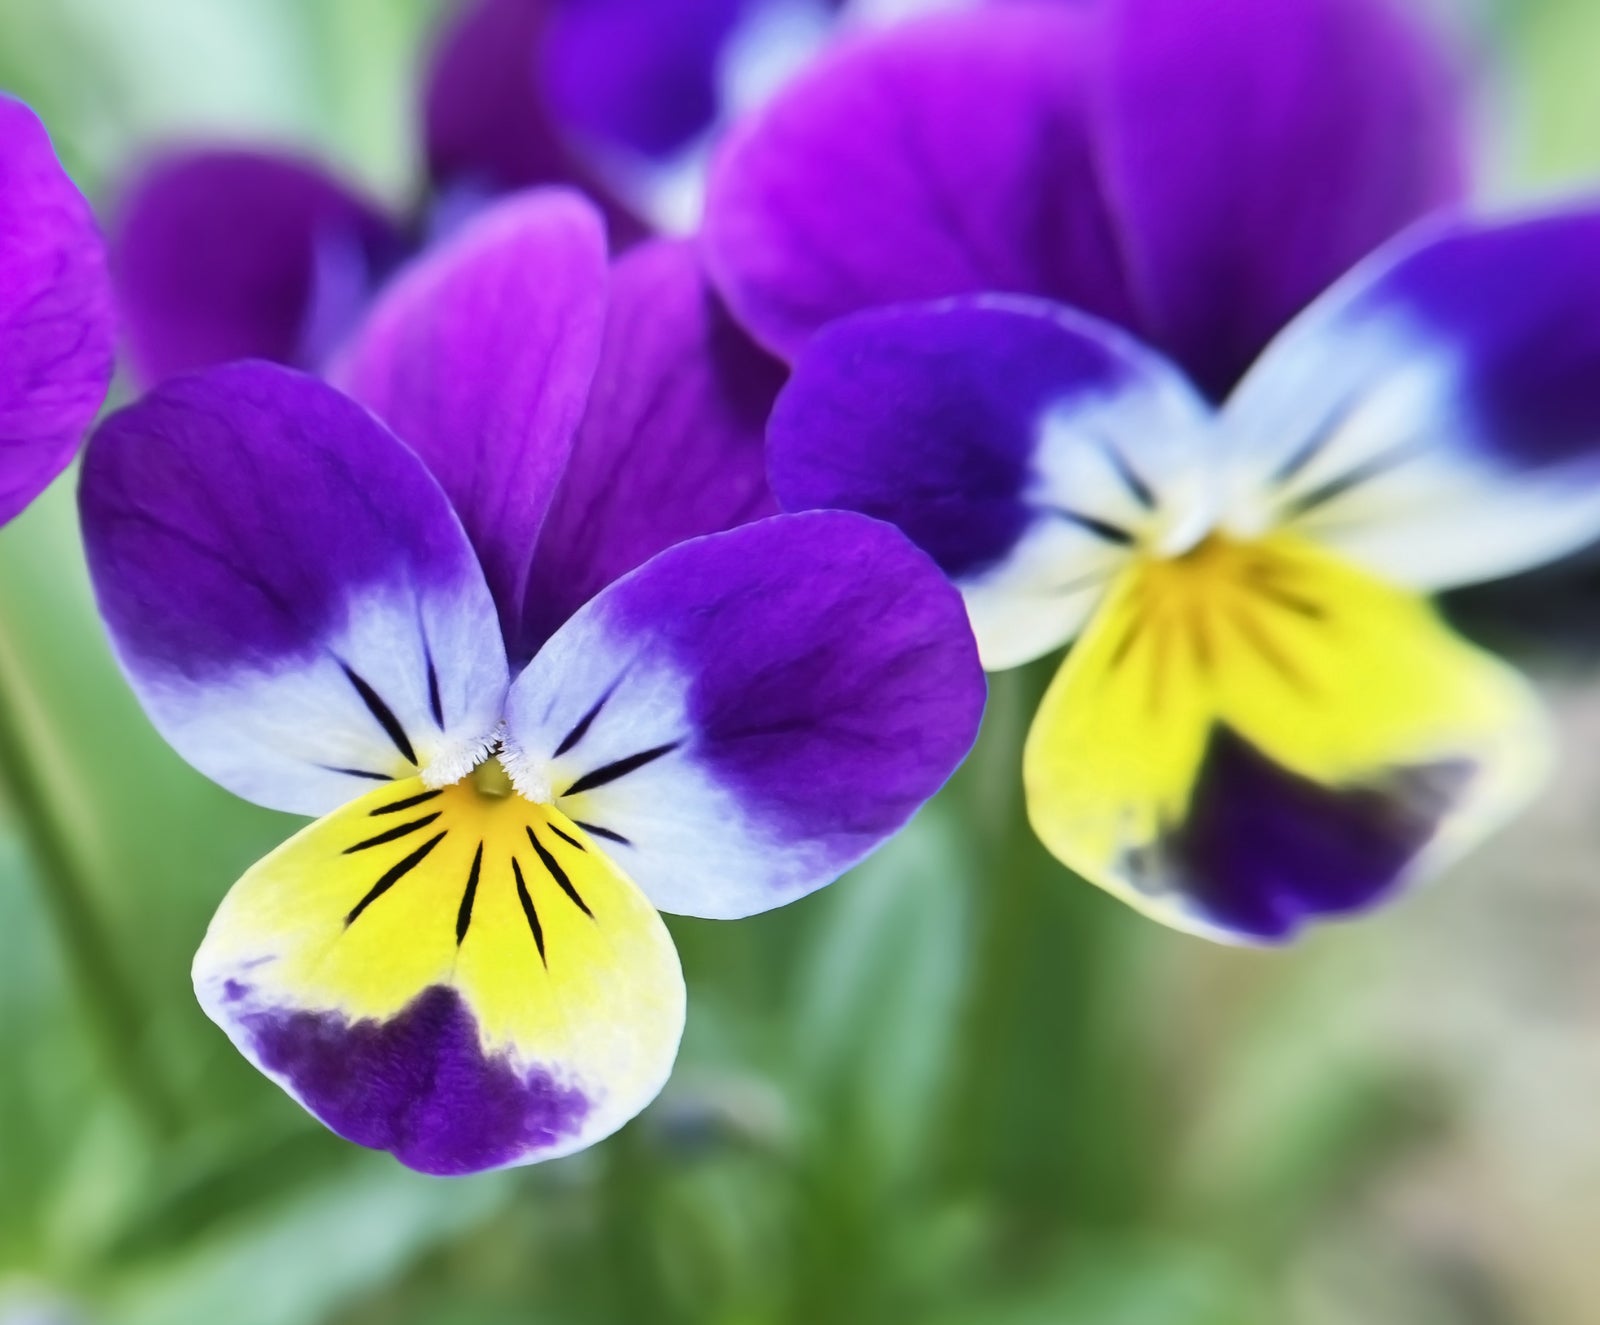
956, 1088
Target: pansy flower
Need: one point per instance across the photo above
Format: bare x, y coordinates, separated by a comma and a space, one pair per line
227, 252
55, 312
1261, 722
529, 716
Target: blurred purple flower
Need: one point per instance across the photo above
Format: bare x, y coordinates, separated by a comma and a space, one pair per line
223, 253
1329, 408
56, 318
537, 649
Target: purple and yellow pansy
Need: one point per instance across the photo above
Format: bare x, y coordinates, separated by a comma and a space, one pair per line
515, 619
1072, 309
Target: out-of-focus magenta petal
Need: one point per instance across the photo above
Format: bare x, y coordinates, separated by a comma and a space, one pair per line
224, 254
55, 312
1195, 173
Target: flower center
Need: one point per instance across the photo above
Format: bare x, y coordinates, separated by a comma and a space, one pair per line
1220, 597
491, 779
485, 763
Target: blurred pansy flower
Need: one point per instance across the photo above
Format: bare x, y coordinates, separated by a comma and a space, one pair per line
55, 312
462, 960
1260, 723
1254, 729
224, 252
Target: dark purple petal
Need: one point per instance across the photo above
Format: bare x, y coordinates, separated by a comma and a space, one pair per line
486, 125
672, 444
1254, 150
1024, 447
945, 156
222, 255
480, 357
1437, 416
749, 714
55, 312
639, 75
287, 588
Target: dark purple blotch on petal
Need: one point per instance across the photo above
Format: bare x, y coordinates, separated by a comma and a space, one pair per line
1264, 850
418, 1085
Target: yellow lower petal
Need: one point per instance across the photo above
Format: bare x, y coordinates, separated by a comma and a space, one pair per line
459, 976
1370, 741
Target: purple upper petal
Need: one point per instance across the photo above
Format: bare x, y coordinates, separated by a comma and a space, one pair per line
55, 312
481, 357
486, 125
749, 714
222, 255
1254, 150
286, 587
945, 156
935, 418
671, 444
1196, 173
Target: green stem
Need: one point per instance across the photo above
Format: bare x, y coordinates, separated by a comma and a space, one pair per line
630, 1192
107, 998
1043, 1117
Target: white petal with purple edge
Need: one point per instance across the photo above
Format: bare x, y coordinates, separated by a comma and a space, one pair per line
1437, 415
288, 590
1028, 449
748, 714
